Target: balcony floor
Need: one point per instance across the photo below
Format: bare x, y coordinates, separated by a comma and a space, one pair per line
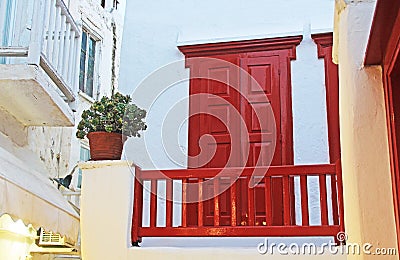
30, 96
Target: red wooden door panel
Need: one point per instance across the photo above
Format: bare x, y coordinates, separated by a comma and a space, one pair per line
223, 111
254, 95
215, 100
261, 97
261, 109
221, 122
260, 91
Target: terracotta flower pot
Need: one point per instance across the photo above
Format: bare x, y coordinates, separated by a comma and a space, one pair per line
105, 146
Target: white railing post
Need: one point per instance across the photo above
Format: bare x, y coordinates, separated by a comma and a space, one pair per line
66, 56
71, 59
36, 37
75, 68
51, 38
60, 63
46, 26
56, 44
76, 65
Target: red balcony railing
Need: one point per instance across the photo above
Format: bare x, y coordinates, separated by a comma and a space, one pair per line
238, 209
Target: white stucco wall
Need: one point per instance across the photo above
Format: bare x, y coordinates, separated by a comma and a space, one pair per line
155, 29
368, 199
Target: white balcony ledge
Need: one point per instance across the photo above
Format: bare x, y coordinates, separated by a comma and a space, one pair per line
27, 93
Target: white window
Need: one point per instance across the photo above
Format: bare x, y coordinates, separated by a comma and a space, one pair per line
88, 63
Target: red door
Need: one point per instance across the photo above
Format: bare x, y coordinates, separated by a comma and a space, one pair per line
227, 96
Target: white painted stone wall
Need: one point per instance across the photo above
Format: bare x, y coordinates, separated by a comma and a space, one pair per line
58, 147
367, 183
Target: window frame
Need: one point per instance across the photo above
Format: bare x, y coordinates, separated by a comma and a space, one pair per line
90, 34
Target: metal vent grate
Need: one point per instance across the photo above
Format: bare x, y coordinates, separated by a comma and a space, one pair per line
48, 238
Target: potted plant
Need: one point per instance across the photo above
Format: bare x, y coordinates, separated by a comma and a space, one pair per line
108, 123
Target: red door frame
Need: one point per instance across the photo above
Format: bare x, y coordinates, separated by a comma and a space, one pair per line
383, 49
285, 49
324, 43
392, 125
285, 46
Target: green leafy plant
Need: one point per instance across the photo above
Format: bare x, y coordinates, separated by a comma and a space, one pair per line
114, 115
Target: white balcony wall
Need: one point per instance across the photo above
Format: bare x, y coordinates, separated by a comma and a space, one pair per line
111, 183
42, 32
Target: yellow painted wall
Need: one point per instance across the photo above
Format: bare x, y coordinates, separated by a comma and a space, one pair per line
369, 214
